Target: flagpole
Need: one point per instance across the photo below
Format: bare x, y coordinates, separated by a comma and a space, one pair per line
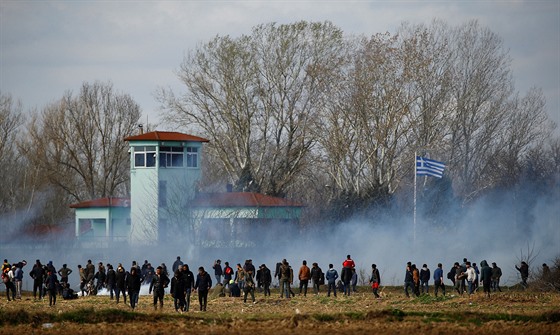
414, 215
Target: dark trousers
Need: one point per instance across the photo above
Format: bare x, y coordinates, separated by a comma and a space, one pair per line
267, 289
303, 285
158, 296
133, 297
437, 285
37, 286
203, 299
52, 297
332, 286
179, 301
10, 287
118, 291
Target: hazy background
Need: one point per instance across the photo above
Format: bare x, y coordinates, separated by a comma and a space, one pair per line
49, 47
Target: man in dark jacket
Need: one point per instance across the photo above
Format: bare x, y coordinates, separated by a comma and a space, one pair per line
266, 278
52, 286
485, 277
524, 271
203, 285
111, 280
218, 271
133, 282
496, 275
425, 278
38, 275
316, 274
346, 277
408, 280
157, 286
178, 291
120, 283
228, 274
188, 278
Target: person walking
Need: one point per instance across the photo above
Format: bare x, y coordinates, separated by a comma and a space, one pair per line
266, 277
524, 271
189, 279
158, 284
249, 286
120, 283
133, 282
408, 280
424, 279
203, 285
285, 274
178, 291
485, 277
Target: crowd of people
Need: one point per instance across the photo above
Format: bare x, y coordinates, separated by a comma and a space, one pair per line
245, 278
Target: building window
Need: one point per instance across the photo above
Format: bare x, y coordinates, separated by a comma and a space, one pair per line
145, 156
192, 157
162, 194
171, 157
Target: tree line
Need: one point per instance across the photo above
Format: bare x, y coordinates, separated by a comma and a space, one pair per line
304, 111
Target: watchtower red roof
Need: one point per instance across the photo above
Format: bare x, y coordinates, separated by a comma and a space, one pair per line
103, 202
166, 136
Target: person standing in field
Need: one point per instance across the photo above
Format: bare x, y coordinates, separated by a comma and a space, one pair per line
425, 278
52, 286
285, 274
188, 277
316, 275
375, 280
266, 279
120, 283
218, 271
408, 280
304, 275
416, 279
203, 285
178, 291
485, 277
331, 277
524, 271
133, 282
496, 275
249, 286
157, 286
471, 277
438, 280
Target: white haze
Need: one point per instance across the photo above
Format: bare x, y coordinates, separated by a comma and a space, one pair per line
491, 230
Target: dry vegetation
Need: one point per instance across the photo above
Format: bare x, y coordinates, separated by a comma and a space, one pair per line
512, 312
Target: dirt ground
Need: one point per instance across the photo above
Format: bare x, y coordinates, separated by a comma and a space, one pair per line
511, 312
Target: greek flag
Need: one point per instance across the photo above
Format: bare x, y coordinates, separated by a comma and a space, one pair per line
429, 167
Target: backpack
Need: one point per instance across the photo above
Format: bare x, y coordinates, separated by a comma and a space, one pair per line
228, 270
451, 274
5, 277
322, 279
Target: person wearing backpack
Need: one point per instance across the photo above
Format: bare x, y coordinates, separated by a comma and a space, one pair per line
228, 274
266, 278
7, 278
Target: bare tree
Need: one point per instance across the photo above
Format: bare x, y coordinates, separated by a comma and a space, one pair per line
78, 143
255, 98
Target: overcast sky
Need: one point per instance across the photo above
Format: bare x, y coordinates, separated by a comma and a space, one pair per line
50, 47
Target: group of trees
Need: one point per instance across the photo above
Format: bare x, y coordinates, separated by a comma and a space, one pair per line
304, 111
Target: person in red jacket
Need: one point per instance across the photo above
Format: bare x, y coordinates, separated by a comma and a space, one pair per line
348, 263
304, 276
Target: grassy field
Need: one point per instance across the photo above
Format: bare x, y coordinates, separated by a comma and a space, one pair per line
510, 312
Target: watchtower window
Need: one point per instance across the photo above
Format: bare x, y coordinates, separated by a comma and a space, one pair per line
145, 156
171, 157
192, 157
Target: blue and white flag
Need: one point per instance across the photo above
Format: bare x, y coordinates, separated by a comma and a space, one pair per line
429, 167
